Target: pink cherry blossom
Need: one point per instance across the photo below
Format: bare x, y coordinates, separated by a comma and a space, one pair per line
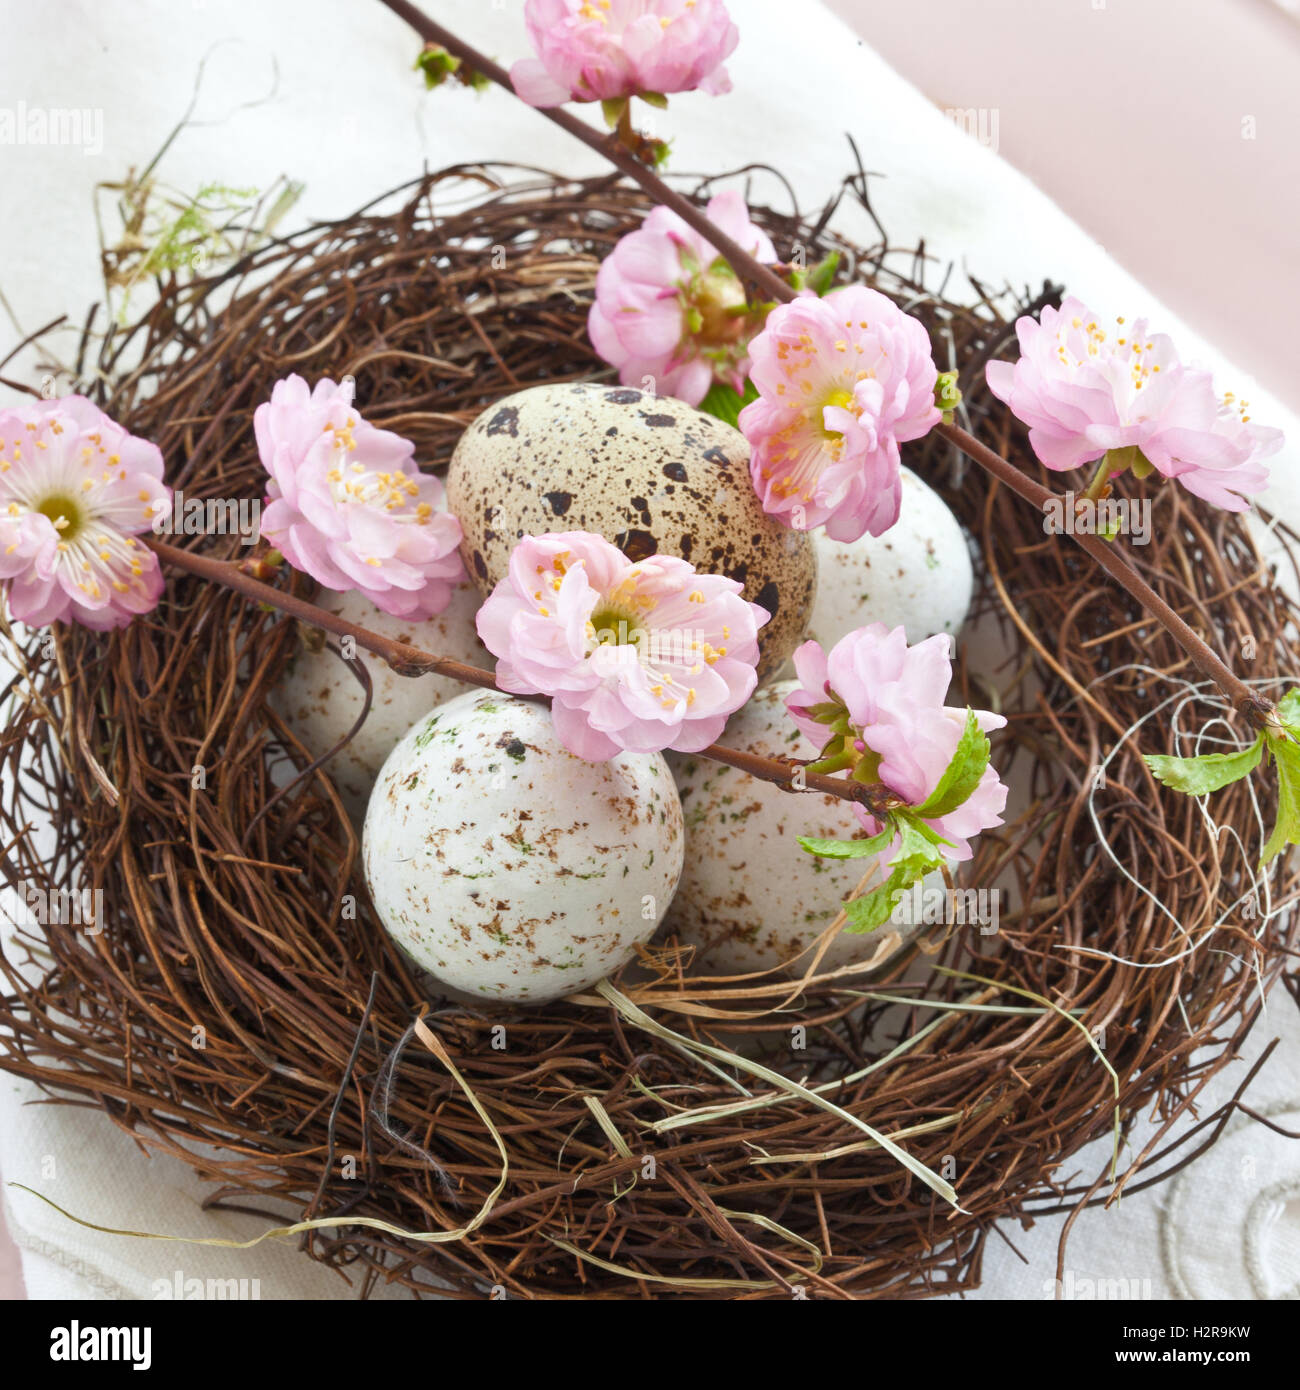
842, 381
348, 506
75, 491
1088, 392
669, 307
894, 697
601, 50
637, 656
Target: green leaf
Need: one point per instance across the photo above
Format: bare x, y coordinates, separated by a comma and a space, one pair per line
963, 773
867, 768
723, 402
1142, 467
1131, 457
848, 849
947, 395
1286, 758
436, 64
826, 712
869, 911
835, 760
910, 823
1207, 773
1288, 711
822, 276
873, 909
916, 855
613, 108
656, 99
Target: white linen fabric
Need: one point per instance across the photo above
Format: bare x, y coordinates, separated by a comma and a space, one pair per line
322, 90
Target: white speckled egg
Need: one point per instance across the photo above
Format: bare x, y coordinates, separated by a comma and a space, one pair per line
508, 868
650, 474
750, 898
320, 699
917, 574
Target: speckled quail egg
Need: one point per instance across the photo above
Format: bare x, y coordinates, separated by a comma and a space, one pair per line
651, 474
750, 898
320, 699
507, 867
917, 574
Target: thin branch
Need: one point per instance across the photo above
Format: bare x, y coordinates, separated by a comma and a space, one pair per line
608, 146
1247, 702
789, 775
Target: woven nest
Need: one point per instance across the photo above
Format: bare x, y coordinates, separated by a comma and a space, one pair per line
233, 1013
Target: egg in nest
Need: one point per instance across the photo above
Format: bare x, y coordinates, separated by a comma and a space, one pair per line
917, 575
507, 867
648, 473
751, 898
320, 699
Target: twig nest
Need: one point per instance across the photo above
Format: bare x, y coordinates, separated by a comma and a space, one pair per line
650, 474
918, 573
320, 699
750, 898
508, 868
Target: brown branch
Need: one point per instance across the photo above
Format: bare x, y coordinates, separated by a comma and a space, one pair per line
608, 146
1248, 703
407, 660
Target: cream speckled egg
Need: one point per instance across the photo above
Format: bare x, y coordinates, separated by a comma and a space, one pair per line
320, 699
508, 868
651, 474
917, 574
750, 898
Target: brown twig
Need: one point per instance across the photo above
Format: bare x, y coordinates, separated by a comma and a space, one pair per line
1248, 703
607, 145
789, 775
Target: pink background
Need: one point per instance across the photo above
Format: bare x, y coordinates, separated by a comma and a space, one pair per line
1129, 114
1133, 116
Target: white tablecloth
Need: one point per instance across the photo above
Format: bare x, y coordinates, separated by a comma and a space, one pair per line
340, 109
